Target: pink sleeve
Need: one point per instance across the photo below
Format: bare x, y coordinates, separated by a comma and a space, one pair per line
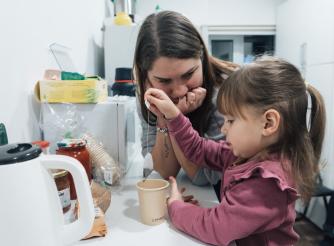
198, 150
244, 210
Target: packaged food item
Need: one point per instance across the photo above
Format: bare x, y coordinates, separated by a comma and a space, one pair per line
101, 196
63, 186
75, 148
89, 90
106, 171
99, 228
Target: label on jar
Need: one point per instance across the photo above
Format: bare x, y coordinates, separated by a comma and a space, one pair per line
65, 198
108, 177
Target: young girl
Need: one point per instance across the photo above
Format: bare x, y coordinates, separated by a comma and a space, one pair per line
269, 159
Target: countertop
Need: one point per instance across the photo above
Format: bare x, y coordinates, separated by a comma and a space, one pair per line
123, 219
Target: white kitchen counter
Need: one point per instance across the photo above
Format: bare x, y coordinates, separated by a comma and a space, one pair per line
123, 218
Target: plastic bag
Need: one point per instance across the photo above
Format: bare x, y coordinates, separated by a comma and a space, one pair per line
106, 171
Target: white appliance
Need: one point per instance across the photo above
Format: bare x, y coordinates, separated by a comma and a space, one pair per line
30, 210
119, 47
114, 123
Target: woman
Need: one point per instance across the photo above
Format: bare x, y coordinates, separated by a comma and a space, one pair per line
170, 55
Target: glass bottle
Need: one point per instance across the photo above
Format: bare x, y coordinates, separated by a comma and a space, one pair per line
75, 148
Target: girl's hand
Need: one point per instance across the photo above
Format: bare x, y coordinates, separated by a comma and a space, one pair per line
176, 195
192, 100
160, 103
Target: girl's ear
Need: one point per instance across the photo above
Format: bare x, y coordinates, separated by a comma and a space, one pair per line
271, 122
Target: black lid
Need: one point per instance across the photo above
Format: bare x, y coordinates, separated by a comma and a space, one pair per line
20, 152
123, 73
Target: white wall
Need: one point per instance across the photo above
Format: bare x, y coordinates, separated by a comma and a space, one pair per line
217, 12
27, 29
313, 25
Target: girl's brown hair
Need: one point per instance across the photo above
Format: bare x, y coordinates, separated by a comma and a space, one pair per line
170, 34
272, 83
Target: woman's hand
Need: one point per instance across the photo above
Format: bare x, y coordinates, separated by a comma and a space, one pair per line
176, 195
160, 103
192, 100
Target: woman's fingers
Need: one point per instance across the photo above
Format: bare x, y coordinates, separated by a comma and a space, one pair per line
191, 97
199, 91
152, 99
182, 105
192, 100
155, 110
200, 94
156, 93
186, 104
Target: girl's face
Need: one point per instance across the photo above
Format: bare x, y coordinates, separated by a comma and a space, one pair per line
244, 135
175, 76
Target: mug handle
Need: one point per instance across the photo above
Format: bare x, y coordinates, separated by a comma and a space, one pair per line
81, 227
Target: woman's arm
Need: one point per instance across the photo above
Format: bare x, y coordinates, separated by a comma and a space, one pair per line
168, 158
162, 150
190, 168
164, 160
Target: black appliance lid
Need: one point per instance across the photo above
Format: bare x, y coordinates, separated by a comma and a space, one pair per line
19, 152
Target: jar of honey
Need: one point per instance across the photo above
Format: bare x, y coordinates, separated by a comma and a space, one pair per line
75, 148
61, 178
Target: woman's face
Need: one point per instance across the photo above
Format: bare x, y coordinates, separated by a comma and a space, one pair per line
175, 76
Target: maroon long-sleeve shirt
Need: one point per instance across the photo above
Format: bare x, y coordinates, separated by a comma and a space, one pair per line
257, 198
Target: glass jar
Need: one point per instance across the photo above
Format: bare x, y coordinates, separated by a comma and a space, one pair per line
75, 148
61, 178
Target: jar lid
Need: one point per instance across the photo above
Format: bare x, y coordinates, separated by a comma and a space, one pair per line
42, 144
71, 143
58, 173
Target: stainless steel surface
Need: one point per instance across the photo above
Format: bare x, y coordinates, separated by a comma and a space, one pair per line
127, 6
